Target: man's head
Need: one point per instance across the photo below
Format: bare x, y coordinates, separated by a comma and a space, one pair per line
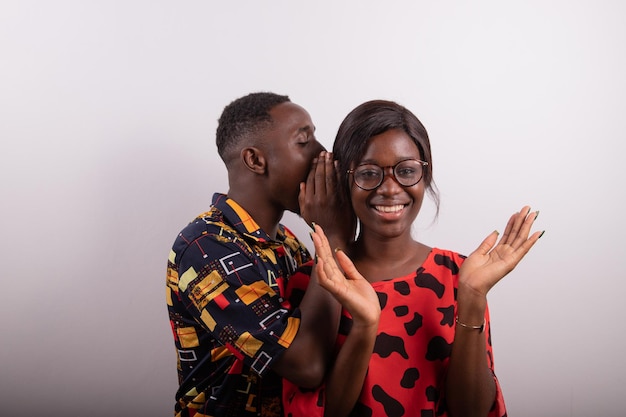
242, 120
268, 144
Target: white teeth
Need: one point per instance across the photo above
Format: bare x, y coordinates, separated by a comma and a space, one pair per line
389, 209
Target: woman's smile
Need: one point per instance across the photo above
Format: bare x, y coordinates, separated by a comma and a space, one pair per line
389, 209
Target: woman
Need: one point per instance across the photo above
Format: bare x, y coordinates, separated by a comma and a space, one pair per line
431, 352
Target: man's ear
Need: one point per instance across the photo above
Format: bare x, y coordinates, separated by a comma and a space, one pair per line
254, 160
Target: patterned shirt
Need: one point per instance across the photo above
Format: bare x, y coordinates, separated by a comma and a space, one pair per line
230, 289
407, 370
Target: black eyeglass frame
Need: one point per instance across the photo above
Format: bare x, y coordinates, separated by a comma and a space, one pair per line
393, 172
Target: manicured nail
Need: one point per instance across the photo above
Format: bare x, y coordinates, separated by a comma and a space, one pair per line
541, 234
313, 226
537, 215
337, 250
311, 235
496, 232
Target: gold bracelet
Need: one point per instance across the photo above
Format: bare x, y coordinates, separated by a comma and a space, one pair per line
480, 328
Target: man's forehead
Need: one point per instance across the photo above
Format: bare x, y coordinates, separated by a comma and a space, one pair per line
292, 116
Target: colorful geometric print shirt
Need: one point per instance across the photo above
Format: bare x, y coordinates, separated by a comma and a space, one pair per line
229, 289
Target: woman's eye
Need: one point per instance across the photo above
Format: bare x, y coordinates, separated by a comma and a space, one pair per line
369, 173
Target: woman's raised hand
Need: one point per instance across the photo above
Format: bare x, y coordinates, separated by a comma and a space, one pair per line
351, 289
490, 262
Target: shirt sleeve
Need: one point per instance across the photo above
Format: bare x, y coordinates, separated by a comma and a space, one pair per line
297, 401
300, 402
498, 409
235, 294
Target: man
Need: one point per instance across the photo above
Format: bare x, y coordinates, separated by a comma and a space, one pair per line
234, 293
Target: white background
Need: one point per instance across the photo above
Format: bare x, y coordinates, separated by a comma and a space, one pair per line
107, 117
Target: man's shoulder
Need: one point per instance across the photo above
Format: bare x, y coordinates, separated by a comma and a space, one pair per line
289, 239
208, 221
211, 224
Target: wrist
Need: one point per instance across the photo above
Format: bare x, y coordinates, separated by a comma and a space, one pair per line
471, 306
365, 328
480, 327
470, 295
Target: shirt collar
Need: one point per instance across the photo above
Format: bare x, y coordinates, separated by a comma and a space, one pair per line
242, 221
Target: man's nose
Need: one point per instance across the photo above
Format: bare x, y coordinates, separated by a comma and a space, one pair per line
318, 148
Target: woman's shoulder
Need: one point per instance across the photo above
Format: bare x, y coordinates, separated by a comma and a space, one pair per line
446, 252
439, 258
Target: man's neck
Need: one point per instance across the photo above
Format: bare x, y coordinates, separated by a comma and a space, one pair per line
263, 213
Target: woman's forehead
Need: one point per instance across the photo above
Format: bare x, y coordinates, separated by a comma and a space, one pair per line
392, 145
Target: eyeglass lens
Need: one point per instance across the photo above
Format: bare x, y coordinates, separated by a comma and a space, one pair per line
407, 173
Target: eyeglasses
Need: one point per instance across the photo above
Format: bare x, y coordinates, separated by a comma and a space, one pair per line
407, 173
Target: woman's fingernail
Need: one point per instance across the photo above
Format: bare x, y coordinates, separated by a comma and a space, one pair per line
316, 259
337, 250
541, 234
537, 215
312, 226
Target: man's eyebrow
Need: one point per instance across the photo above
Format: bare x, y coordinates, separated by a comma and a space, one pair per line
306, 129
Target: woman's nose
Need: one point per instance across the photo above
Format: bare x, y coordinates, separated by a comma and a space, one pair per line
389, 184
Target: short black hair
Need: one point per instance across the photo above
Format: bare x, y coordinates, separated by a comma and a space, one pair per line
242, 118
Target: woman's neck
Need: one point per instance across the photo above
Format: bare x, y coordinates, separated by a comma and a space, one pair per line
385, 258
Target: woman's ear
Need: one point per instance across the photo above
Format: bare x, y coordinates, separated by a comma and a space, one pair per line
254, 160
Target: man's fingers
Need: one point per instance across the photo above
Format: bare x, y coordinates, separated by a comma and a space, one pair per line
302, 200
329, 173
324, 175
320, 173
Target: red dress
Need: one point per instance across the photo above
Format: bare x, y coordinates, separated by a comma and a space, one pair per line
408, 367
